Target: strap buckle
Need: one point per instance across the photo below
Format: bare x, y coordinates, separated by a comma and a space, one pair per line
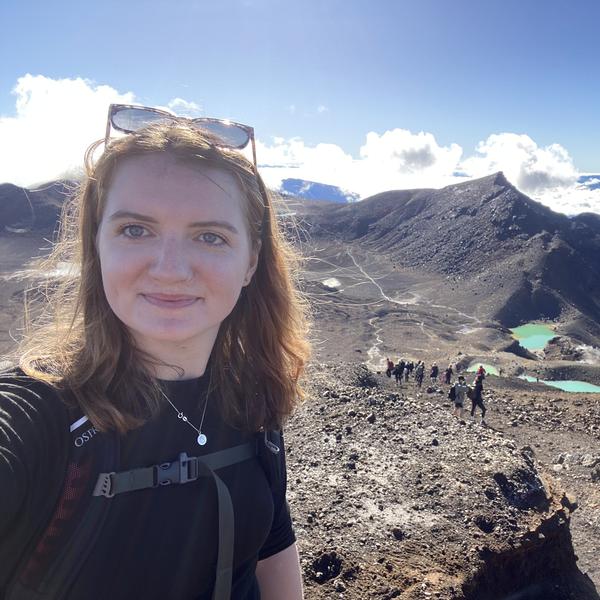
180, 471
104, 485
274, 448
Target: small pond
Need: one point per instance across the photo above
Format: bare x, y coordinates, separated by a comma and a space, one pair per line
568, 385
533, 336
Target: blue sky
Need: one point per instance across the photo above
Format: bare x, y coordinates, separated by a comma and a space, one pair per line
324, 74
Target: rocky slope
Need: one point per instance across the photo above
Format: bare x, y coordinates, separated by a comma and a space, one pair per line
487, 237
394, 498
32, 210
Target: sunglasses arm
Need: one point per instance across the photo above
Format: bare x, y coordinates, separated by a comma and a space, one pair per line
254, 153
108, 120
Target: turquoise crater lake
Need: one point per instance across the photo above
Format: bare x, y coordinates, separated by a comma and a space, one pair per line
533, 336
567, 385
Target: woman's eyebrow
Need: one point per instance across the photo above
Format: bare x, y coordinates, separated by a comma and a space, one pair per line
221, 224
126, 214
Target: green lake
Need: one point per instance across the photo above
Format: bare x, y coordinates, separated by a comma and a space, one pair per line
533, 336
568, 385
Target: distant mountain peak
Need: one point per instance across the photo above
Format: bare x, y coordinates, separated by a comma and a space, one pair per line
313, 190
500, 179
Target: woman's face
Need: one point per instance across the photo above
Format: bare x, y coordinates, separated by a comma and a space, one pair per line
174, 251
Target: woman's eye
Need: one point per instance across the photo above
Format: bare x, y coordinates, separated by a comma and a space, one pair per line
211, 238
134, 231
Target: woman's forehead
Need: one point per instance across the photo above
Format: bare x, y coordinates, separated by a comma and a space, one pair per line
161, 177
169, 166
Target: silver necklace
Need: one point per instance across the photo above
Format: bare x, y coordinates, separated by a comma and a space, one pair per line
201, 439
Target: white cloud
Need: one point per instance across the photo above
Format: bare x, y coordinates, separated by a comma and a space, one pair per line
322, 109
183, 108
400, 159
527, 165
56, 120
546, 173
394, 160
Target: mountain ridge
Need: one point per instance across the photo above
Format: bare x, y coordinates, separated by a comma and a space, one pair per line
493, 240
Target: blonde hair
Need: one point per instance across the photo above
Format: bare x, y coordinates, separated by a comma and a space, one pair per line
79, 345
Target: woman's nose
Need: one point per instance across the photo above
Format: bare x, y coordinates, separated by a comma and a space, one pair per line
171, 261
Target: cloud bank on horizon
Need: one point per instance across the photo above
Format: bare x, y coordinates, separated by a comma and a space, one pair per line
57, 119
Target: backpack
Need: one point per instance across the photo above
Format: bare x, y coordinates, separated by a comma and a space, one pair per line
470, 393
452, 393
52, 560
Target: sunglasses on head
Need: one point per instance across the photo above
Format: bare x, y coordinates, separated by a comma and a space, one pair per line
129, 118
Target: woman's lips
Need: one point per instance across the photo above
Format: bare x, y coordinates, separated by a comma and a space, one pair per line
169, 301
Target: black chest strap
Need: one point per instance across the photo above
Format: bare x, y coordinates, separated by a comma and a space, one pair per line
186, 469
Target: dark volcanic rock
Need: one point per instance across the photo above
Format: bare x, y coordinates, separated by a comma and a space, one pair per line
32, 210
526, 260
470, 517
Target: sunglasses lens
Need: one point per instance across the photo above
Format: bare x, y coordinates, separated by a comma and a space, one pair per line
229, 134
132, 119
129, 119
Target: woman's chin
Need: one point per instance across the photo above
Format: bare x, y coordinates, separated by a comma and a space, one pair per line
163, 337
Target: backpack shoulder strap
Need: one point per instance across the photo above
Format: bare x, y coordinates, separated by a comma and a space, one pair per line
49, 568
270, 454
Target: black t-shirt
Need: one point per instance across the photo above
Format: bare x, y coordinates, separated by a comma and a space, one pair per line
155, 543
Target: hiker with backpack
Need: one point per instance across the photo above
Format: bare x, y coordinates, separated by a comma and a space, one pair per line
419, 373
433, 374
477, 398
397, 371
448, 375
389, 364
457, 394
140, 446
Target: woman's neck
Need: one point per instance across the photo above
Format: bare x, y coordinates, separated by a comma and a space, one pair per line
177, 361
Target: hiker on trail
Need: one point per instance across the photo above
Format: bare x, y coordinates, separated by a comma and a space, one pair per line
406, 372
411, 367
448, 375
460, 393
389, 366
477, 399
397, 371
147, 412
419, 373
433, 374
481, 372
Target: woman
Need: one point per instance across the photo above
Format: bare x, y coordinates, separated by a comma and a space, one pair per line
179, 334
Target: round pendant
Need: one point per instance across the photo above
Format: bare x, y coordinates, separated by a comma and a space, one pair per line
201, 439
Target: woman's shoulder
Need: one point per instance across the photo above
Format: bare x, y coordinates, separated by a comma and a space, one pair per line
25, 399
34, 443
